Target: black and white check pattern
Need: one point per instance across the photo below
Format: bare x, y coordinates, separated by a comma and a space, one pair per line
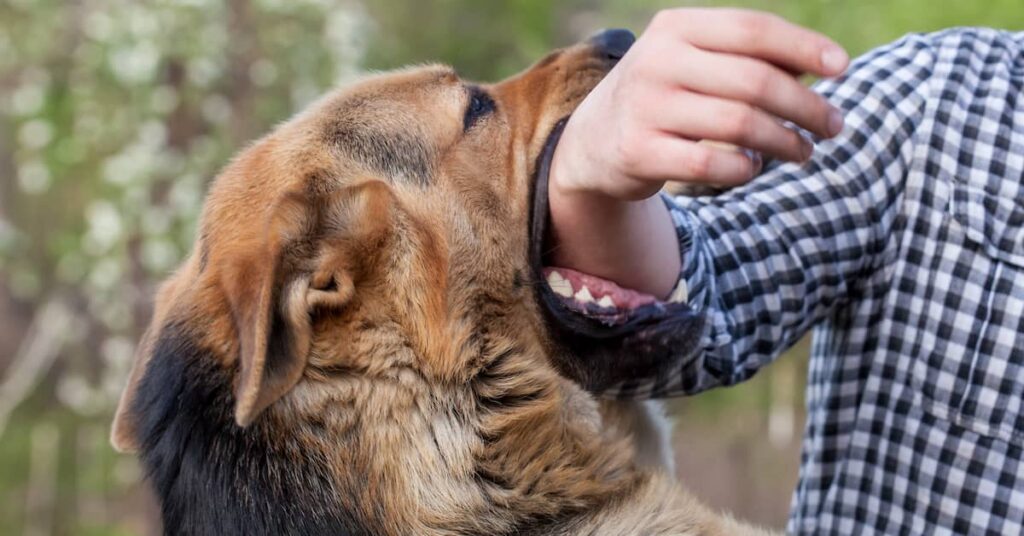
901, 244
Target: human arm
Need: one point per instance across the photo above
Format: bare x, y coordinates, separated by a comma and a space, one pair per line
695, 74
765, 262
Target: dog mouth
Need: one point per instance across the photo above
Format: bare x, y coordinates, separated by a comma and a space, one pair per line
577, 294
605, 337
605, 334
582, 293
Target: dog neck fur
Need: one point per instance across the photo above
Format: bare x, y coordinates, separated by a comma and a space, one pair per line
385, 451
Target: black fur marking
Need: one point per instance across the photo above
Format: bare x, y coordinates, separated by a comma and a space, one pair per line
491, 396
492, 372
517, 280
397, 155
214, 478
485, 476
510, 401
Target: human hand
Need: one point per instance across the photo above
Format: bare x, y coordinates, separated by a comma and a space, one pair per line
699, 74
694, 76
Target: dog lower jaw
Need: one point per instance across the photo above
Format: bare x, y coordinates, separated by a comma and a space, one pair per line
597, 346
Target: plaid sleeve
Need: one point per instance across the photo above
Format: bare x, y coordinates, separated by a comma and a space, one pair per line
765, 262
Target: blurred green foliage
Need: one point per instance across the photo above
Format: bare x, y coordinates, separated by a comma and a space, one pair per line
493, 38
114, 116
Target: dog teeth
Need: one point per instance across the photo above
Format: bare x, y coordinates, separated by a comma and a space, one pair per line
584, 295
606, 301
681, 294
559, 284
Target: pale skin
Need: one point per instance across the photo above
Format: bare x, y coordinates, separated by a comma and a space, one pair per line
694, 76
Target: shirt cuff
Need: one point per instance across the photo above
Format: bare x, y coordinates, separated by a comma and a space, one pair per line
692, 285
696, 285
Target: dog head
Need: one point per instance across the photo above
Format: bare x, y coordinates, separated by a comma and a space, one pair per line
363, 273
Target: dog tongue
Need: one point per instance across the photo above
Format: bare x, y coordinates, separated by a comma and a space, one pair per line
584, 288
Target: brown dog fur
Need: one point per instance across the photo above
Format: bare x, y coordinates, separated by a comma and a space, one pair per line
359, 301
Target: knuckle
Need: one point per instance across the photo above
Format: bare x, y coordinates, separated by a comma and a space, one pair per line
749, 26
738, 122
648, 65
629, 151
675, 21
760, 83
663, 19
759, 19
752, 27
770, 19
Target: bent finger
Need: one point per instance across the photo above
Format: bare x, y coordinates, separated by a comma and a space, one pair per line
760, 84
752, 33
703, 117
677, 159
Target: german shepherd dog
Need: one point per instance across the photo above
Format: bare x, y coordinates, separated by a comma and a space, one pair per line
362, 343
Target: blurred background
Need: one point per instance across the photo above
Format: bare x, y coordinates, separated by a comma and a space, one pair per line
115, 115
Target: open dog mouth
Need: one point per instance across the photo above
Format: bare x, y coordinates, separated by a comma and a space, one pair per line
586, 294
608, 334
580, 290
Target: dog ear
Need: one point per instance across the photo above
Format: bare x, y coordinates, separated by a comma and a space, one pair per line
275, 324
302, 263
272, 312
270, 296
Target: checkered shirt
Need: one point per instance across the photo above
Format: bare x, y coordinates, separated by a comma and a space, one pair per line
901, 245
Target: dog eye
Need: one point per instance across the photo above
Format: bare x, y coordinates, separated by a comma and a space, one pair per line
480, 104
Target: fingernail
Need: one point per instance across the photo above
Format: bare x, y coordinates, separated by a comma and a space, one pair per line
835, 122
834, 59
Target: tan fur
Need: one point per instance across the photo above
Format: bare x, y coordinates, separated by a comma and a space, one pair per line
415, 361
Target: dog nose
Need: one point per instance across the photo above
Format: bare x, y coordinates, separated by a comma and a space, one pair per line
613, 42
